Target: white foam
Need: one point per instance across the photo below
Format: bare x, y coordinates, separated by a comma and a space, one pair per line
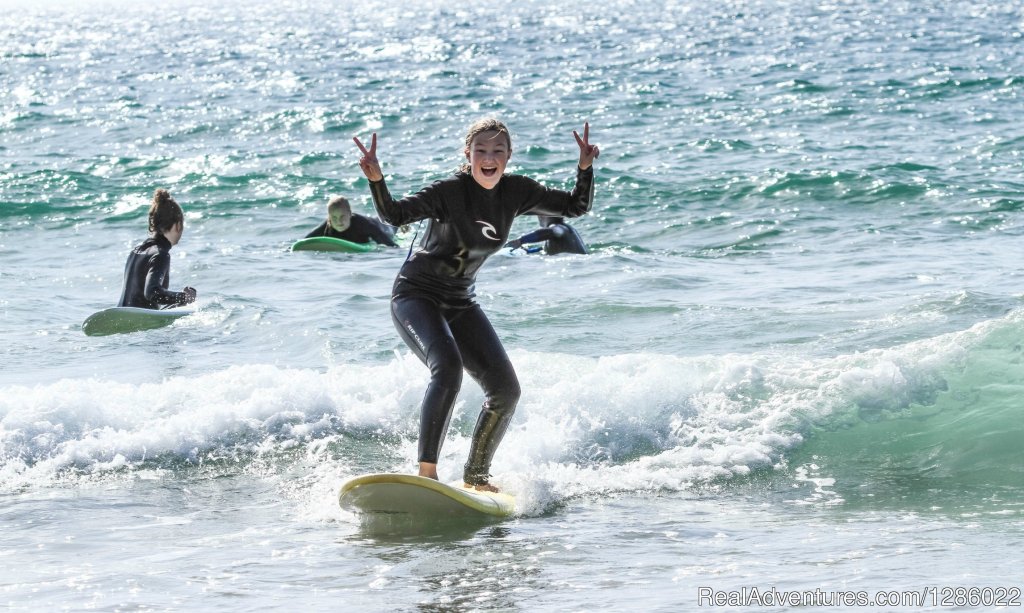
584, 426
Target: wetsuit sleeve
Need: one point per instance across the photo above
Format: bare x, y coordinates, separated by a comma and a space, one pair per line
157, 280
425, 204
555, 202
380, 234
321, 230
543, 234
375, 230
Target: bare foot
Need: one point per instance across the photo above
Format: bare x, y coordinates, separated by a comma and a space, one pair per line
428, 470
483, 487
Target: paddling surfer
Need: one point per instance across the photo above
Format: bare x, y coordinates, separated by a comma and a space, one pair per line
344, 224
557, 236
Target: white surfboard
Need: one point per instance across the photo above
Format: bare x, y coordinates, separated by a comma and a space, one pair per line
419, 497
118, 320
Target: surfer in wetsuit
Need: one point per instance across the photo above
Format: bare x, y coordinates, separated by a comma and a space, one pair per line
557, 236
147, 272
432, 301
344, 224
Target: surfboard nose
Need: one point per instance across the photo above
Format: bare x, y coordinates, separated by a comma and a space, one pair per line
411, 495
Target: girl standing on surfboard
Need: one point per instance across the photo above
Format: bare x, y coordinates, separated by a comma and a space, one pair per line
147, 272
432, 301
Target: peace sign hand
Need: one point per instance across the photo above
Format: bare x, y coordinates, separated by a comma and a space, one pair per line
369, 163
588, 152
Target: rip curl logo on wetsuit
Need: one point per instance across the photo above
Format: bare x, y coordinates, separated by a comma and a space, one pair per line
412, 331
488, 231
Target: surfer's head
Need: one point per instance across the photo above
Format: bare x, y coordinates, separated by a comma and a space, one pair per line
339, 214
549, 220
166, 217
488, 150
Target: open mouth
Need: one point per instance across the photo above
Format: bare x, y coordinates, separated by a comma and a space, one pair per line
488, 172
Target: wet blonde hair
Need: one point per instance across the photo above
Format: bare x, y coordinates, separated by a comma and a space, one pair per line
487, 124
164, 213
339, 202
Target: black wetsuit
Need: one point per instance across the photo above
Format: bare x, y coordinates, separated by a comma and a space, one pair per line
360, 230
559, 237
432, 303
147, 274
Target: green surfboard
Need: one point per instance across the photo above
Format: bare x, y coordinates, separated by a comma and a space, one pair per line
326, 243
120, 320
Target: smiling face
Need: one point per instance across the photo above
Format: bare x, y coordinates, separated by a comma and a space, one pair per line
488, 154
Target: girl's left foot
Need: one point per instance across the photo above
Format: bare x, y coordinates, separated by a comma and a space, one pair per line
428, 470
483, 487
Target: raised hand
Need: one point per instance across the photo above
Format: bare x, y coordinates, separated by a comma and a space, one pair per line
369, 163
588, 152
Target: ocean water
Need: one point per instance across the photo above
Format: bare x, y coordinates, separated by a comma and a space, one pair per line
792, 361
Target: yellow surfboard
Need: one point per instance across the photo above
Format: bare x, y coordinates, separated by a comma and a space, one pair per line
420, 497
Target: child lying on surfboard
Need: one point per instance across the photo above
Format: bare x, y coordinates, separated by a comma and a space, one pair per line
557, 236
344, 224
